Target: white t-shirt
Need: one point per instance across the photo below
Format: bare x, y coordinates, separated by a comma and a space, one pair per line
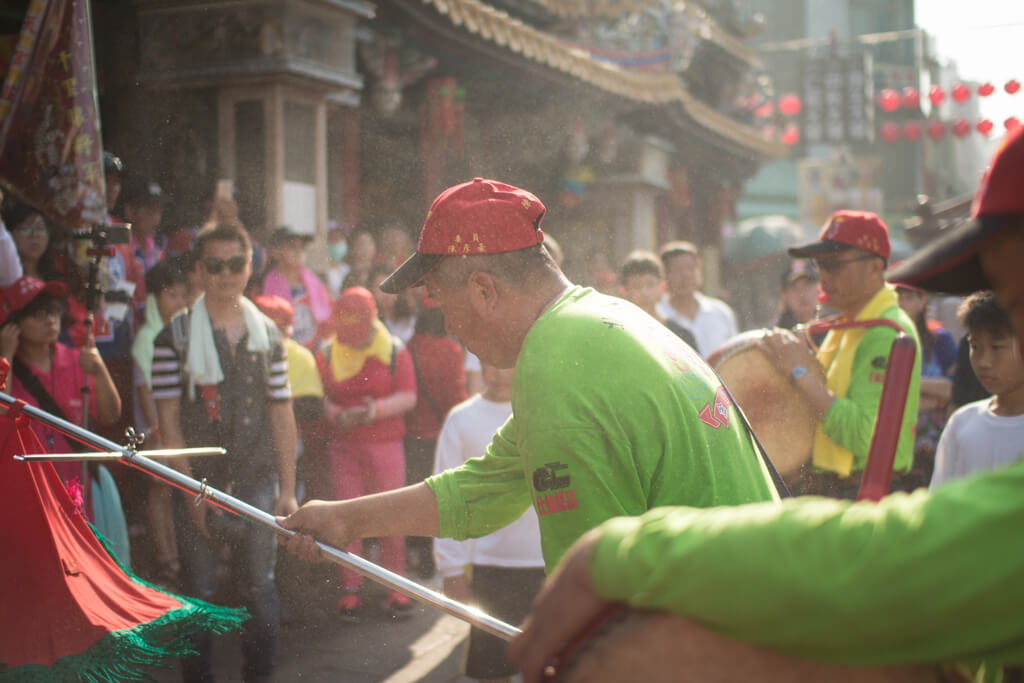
472, 362
714, 323
466, 433
336, 278
10, 262
976, 439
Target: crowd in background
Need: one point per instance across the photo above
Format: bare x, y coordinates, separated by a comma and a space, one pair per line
372, 376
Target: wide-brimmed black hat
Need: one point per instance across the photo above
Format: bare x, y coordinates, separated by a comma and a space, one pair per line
951, 264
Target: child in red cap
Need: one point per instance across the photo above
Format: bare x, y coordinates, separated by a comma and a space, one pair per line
46, 373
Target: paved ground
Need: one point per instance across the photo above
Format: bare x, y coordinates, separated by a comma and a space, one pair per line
315, 646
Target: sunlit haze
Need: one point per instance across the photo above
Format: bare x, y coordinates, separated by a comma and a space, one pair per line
983, 38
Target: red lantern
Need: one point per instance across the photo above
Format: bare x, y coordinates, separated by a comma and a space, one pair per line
935, 129
1011, 124
961, 127
764, 111
889, 131
986, 89
961, 92
790, 135
789, 104
912, 131
910, 98
936, 94
889, 100
1012, 86
984, 126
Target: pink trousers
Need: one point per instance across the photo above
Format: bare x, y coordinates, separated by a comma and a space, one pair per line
359, 469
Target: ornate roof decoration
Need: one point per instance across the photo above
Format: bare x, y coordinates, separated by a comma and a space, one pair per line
498, 27
709, 28
589, 8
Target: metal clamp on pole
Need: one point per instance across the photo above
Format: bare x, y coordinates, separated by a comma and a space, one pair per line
135, 441
203, 489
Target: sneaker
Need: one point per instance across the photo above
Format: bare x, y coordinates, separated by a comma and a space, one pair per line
349, 607
398, 605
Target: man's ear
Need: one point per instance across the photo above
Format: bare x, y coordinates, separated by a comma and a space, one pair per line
878, 268
484, 293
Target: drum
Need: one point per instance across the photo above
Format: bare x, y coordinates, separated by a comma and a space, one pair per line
628, 645
777, 411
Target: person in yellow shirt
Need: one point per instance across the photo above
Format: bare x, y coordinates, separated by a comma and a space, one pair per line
307, 394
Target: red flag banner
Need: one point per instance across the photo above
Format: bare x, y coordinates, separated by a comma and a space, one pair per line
68, 610
50, 144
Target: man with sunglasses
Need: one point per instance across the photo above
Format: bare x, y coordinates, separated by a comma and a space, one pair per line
220, 379
851, 255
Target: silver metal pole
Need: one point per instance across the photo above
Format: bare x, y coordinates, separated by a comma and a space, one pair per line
242, 509
119, 455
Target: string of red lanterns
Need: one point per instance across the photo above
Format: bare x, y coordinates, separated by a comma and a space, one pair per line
891, 100
911, 131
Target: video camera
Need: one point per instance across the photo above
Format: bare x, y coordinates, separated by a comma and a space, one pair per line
105, 234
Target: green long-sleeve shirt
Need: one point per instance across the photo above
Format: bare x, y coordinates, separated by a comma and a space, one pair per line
612, 415
850, 420
914, 578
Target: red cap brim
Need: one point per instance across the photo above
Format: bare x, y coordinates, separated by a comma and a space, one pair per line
818, 249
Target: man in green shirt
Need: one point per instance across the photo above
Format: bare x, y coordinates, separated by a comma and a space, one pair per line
612, 413
851, 254
921, 579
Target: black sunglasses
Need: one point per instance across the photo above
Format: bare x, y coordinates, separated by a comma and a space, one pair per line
837, 264
213, 265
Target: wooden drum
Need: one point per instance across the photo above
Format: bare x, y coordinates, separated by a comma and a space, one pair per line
650, 647
777, 411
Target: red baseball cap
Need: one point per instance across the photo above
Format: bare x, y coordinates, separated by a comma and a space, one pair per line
845, 230
352, 316
951, 264
478, 217
23, 291
277, 308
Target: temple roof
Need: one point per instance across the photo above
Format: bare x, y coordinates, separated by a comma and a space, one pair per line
666, 89
710, 29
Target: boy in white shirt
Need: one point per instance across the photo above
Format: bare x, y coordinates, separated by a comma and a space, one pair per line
502, 571
989, 433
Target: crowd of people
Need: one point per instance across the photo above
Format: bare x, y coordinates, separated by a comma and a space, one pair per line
381, 392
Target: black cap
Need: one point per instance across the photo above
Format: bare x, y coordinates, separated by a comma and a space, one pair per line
112, 164
139, 192
803, 268
285, 234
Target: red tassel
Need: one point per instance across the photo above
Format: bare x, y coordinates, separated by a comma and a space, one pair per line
211, 399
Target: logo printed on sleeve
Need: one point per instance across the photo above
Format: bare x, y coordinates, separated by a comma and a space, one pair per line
716, 414
546, 480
